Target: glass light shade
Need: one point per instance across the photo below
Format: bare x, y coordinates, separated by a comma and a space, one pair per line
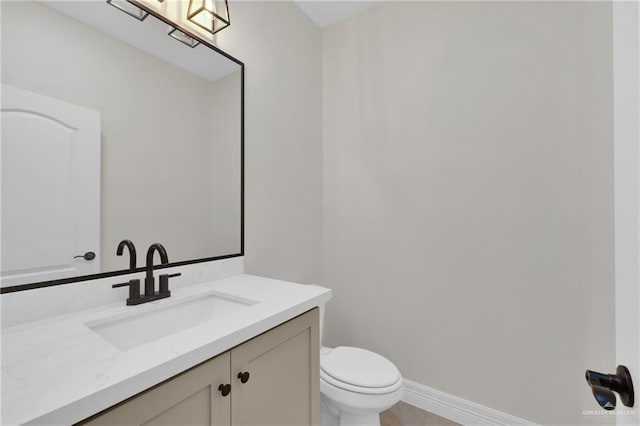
129, 8
182, 37
210, 15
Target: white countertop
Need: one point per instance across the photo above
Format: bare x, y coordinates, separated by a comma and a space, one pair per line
58, 371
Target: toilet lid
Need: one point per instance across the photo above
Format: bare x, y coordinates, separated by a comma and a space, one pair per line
359, 367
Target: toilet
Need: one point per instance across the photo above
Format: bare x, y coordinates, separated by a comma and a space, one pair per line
356, 385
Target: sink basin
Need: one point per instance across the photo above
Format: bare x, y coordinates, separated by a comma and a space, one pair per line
127, 331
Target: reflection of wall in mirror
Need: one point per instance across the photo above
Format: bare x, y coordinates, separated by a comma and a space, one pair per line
225, 113
156, 132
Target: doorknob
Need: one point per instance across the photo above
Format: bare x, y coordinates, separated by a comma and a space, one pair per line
87, 256
603, 386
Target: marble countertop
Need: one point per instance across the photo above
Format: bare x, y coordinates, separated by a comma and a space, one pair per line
58, 371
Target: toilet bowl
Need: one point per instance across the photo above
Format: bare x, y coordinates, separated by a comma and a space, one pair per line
355, 386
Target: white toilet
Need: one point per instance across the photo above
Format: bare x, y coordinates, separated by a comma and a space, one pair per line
356, 385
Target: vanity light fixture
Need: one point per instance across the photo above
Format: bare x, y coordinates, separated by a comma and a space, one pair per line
210, 15
129, 8
182, 37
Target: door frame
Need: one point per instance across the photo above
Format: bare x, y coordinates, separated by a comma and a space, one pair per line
626, 71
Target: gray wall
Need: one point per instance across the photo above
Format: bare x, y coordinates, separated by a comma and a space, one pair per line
468, 216
282, 50
225, 125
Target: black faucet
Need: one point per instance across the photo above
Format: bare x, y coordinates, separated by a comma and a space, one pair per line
132, 252
149, 283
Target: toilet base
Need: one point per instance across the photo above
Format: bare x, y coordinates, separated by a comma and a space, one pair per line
329, 416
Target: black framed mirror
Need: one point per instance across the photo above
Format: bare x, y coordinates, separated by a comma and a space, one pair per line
113, 129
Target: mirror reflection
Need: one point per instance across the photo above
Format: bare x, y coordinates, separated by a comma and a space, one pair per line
112, 130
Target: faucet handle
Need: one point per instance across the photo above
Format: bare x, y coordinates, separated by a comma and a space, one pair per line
164, 282
134, 291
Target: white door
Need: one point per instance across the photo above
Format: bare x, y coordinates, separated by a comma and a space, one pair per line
50, 188
627, 197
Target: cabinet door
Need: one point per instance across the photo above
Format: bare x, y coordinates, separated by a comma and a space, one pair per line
191, 398
283, 386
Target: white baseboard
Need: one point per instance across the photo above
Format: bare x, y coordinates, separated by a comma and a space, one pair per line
457, 409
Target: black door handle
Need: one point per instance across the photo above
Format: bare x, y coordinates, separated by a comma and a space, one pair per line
603, 386
87, 256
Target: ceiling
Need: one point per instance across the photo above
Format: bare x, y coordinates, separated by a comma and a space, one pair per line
327, 12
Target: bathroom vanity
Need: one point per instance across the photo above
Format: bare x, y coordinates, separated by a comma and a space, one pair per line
241, 350
273, 379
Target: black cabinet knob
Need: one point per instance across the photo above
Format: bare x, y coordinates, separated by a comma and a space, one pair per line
243, 376
225, 389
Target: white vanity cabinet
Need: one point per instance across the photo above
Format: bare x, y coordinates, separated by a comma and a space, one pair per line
280, 370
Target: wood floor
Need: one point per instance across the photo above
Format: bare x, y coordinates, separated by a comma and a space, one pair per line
403, 414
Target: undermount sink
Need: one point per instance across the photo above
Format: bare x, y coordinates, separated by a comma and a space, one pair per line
126, 331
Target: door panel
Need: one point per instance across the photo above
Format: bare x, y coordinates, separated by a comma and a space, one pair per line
36, 207
50, 187
626, 66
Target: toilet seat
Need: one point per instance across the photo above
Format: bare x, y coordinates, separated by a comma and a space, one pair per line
359, 370
358, 389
